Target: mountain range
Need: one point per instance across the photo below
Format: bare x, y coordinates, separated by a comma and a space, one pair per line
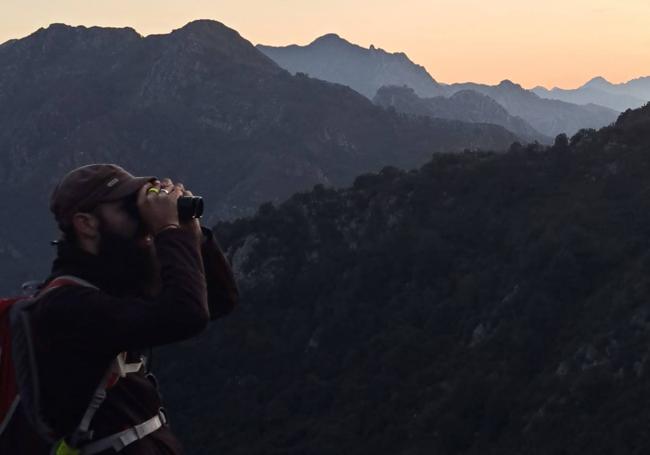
465, 105
334, 59
628, 95
201, 105
548, 116
482, 304
402, 291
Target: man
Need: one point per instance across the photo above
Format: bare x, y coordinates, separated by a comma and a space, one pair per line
129, 275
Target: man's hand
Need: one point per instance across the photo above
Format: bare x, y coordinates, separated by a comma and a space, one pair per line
158, 209
192, 225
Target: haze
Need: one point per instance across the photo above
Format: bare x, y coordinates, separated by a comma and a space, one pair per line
550, 43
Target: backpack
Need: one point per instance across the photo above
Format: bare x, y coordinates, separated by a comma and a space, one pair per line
18, 371
19, 380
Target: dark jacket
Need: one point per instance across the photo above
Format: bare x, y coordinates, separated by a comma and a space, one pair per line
81, 330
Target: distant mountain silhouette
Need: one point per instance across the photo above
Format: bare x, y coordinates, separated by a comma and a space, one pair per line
201, 105
334, 59
466, 105
483, 304
550, 117
628, 95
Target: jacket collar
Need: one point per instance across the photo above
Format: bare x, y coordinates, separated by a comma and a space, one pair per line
72, 260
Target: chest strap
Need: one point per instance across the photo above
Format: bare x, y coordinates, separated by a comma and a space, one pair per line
119, 368
120, 440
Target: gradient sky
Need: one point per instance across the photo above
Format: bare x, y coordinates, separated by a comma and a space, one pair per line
533, 42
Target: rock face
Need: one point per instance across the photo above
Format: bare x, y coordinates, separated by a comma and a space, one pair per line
465, 105
201, 105
628, 95
331, 58
483, 304
334, 59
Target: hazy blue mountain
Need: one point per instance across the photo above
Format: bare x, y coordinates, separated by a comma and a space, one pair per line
628, 95
465, 105
201, 105
550, 117
639, 87
334, 59
484, 304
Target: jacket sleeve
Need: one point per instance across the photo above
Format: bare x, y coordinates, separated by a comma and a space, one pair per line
223, 292
103, 322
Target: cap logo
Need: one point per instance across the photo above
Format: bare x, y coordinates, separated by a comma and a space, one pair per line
112, 182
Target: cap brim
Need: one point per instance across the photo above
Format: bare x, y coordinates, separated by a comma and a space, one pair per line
127, 188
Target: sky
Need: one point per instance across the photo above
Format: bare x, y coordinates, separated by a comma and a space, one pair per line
560, 43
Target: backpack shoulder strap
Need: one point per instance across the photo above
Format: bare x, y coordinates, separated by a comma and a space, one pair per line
118, 368
64, 280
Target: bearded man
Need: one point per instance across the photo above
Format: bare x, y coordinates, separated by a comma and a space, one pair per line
128, 276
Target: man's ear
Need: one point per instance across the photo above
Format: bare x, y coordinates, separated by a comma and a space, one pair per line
86, 225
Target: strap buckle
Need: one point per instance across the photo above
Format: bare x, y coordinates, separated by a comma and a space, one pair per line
162, 413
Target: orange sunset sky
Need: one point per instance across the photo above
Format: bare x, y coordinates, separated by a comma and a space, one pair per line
552, 43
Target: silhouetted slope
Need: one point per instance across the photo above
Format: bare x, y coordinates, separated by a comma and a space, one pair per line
200, 104
465, 105
484, 304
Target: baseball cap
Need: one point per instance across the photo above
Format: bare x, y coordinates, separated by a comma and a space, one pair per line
84, 187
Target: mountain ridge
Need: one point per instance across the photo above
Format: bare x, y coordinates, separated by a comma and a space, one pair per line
200, 105
465, 105
366, 70
598, 90
373, 59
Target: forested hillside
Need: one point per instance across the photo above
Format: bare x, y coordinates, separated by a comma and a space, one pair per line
482, 304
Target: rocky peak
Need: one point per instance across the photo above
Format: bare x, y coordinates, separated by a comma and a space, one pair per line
207, 28
328, 40
216, 42
508, 84
598, 81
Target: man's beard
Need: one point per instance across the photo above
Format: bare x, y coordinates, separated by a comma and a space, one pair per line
130, 262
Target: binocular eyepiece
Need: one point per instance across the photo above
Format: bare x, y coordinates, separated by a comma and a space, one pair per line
189, 207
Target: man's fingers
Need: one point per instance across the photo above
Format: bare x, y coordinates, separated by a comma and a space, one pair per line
143, 191
172, 187
167, 183
176, 190
183, 190
155, 185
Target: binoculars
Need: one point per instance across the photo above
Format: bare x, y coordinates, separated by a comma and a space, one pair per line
188, 207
